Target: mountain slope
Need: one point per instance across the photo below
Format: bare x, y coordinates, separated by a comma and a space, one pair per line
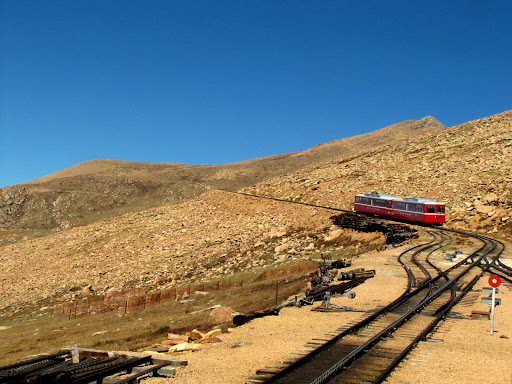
467, 166
100, 189
219, 233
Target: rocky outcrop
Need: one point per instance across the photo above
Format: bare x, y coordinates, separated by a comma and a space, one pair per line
11, 204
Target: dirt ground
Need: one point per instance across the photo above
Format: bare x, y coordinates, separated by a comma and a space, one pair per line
265, 341
464, 351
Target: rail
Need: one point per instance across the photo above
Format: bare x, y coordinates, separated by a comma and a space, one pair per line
430, 293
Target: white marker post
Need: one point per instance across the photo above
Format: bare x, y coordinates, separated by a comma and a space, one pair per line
493, 306
494, 282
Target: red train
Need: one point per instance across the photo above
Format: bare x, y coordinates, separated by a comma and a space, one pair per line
419, 209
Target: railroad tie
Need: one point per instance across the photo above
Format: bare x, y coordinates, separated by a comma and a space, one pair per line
266, 371
288, 361
257, 378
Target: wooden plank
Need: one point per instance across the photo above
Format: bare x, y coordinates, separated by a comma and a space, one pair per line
88, 352
142, 372
164, 371
267, 371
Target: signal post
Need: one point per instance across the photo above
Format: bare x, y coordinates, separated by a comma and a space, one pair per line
494, 282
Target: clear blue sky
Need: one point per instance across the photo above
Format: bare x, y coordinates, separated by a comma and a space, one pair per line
204, 82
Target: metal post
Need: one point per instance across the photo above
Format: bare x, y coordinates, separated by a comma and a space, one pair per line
492, 308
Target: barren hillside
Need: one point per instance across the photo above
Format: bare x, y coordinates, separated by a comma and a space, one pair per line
467, 166
219, 233
102, 189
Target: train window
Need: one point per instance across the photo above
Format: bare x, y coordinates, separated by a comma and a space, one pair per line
440, 209
415, 207
431, 209
363, 200
401, 206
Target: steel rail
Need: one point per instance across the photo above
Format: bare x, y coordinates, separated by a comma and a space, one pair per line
447, 285
408, 293
348, 359
423, 334
441, 314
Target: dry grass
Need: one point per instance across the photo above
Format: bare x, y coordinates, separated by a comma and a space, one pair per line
133, 331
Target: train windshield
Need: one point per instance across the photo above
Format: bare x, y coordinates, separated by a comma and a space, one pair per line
440, 209
431, 209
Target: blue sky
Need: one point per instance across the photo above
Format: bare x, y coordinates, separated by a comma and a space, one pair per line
206, 82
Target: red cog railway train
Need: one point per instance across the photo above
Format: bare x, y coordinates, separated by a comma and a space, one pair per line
418, 209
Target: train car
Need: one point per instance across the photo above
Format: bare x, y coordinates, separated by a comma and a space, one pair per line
417, 209
422, 209
376, 203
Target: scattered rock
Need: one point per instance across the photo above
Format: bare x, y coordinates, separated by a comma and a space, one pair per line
195, 335
174, 339
276, 234
333, 235
213, 333
159, 349
99, 333
207, 340
222, 315
491, 198
87, 290
484, 209
281, 248
184, 347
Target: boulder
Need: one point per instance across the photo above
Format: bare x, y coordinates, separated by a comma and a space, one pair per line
333, 235
213, 333
281, 248
484, 209
173, 339
184, 347
87, 290
491, 198
222, 315
276, 233
194, 335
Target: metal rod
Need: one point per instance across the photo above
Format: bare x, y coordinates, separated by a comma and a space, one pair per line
492, 309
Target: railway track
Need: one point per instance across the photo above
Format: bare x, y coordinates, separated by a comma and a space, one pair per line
369, 350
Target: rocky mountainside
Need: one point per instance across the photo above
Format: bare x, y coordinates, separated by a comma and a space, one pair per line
468, 167
219, 233
101, 189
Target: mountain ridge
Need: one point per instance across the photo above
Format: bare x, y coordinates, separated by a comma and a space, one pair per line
219, 233
100, 189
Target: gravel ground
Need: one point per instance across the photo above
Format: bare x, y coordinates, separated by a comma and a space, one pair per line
468, 353
266, 340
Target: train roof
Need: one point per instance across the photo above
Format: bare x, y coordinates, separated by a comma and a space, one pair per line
378, 195
422, 200
385, 196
